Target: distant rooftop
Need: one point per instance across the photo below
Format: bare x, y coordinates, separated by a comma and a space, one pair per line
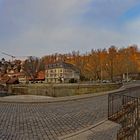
62, 65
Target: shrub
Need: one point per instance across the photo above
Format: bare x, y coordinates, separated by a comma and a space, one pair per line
72, 80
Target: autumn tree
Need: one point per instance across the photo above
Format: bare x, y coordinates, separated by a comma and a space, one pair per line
110, 66
32, 66
99, 64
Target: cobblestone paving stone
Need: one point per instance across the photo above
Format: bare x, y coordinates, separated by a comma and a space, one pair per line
48, 121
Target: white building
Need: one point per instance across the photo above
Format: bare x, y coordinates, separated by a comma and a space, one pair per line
61, 72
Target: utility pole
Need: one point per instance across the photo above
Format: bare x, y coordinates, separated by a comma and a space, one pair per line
101, 73
127, 78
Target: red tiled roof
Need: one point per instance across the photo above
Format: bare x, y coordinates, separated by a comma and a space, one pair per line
40, 76
16, 74
4, 79
13, 80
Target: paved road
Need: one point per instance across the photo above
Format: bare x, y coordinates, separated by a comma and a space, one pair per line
48, 121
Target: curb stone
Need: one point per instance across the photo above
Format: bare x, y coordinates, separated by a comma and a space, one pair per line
81, 131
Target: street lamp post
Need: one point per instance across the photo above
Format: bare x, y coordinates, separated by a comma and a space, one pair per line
127, 78
101, 73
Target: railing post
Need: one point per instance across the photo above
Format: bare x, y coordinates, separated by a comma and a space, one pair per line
124, 109
138, 134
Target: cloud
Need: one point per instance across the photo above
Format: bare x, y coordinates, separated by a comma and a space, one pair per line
40, 27
132, 31
105, 11
133, 25
39, 22
64, 40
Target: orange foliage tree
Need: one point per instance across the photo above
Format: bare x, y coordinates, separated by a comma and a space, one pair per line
101, 64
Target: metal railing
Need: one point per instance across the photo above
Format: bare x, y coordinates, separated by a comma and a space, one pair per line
124, 110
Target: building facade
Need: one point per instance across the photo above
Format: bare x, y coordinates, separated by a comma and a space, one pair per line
61, 72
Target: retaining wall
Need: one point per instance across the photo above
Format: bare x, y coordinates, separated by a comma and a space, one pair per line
59, 90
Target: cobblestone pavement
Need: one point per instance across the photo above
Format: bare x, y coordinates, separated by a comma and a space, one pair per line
48, 121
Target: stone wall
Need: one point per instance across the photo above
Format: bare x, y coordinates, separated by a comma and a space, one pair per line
3, 88
59, 90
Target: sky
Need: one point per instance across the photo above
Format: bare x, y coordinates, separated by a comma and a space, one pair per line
43, 27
